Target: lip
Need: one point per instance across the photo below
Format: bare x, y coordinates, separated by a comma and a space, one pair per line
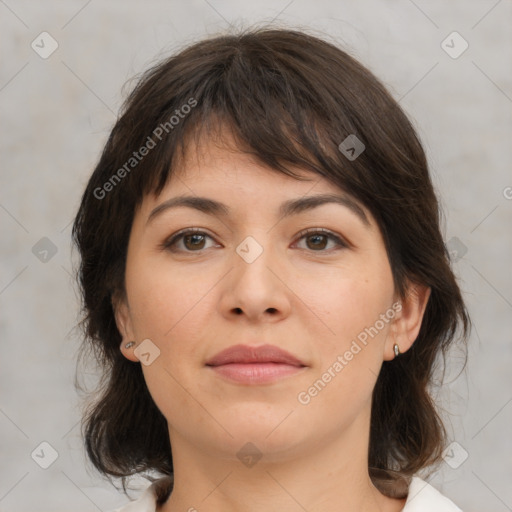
255, 365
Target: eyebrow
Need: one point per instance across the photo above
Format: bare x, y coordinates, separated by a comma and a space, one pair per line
290, 207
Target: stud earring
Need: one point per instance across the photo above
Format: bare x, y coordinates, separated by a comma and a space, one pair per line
130, 344
396, 349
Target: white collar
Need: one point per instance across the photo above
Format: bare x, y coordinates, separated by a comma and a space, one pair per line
422, 497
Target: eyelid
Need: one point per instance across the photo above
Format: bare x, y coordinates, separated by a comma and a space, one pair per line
338, 238
171, 240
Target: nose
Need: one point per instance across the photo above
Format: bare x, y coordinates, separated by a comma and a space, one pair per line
257, 286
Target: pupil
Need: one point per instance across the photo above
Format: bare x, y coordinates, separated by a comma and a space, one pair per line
194, 237
317, 237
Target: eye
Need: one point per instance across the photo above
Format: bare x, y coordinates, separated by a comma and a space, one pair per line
193, 240
319, 239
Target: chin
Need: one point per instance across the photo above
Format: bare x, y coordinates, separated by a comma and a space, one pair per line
272, 432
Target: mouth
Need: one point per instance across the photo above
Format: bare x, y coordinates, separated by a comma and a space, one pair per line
255, 365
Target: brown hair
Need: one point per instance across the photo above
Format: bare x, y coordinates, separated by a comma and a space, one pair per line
289, 98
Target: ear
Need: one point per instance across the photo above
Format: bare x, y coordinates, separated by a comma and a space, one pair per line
407, 322
124, 325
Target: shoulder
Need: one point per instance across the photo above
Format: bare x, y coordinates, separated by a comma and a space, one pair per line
422, 497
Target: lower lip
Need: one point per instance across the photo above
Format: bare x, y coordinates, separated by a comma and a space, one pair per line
256, 373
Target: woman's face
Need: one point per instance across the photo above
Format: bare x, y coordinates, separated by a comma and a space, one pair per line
251, 277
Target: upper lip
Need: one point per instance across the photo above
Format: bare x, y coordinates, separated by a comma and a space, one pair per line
248, 354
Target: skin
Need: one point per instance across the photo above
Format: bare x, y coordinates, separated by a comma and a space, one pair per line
305, 295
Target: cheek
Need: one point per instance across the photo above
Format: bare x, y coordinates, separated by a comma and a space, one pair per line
164, 301
355, 302
358, 312
171, 309
349, 360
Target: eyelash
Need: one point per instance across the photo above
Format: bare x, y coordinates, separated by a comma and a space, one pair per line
171, 241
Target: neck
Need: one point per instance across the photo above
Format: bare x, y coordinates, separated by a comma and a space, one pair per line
329, 477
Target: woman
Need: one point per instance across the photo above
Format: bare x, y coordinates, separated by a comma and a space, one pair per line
266, 286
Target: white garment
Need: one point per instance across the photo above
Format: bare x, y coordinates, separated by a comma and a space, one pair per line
422, 497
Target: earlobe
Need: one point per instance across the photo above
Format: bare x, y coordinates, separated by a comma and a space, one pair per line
407, 324
127, 349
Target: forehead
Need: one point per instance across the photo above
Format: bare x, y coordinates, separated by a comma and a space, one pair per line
225, 181
220, 163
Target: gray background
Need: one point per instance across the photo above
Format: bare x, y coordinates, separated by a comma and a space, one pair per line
57, 112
